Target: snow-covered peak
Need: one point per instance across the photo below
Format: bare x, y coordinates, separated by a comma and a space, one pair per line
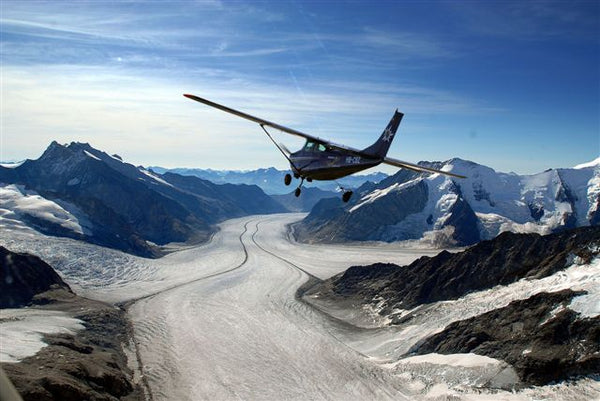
593, 163
492, 201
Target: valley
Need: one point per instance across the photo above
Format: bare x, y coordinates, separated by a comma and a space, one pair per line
223, 321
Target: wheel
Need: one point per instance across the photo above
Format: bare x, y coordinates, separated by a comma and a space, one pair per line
287, 179
346, 196
297, 192
308, 179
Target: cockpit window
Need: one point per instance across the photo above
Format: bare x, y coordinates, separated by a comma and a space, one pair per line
314, 147
310, 146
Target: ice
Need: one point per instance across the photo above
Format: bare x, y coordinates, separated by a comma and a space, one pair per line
587, 305
465, 360
15, 201
221, 320
154, 176
22, 330
91, 155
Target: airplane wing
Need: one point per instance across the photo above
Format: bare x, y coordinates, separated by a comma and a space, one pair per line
267, 123
256, 119
417, 168
357, 152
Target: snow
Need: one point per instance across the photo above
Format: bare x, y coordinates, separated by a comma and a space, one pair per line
214, 322
593, 163
465, 360
587, 305
378, 193
11, 164
501, 201
22, 330
154, 176
91, 155
16, 201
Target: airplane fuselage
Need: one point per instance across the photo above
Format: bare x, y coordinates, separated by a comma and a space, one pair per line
317, 161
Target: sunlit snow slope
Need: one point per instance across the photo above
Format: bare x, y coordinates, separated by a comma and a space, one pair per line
445, 210
222, 321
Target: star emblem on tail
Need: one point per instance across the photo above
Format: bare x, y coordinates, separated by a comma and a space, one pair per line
387, 135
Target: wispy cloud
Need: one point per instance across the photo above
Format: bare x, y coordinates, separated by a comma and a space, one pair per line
531, 20
112, 73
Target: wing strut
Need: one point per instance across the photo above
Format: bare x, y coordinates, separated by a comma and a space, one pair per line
279, 147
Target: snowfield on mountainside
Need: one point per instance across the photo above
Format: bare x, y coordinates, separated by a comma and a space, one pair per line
222, 321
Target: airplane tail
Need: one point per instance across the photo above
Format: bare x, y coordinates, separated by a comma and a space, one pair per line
381, 147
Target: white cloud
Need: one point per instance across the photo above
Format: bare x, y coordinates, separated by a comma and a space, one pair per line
138, 114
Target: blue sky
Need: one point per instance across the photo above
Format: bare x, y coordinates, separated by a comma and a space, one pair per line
512, 85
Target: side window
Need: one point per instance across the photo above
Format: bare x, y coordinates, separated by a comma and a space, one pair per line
309, 147
322, 148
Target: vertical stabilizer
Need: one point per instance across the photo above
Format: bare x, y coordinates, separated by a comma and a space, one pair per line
381, 147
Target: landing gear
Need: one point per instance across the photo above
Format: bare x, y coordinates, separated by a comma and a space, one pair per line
287, 179
299, 189
346, 196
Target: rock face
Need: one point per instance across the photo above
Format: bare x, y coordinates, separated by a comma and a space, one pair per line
546, 337
23, 276
89, 365
330, 221
501, 261
83, 193
540, 337
459, 211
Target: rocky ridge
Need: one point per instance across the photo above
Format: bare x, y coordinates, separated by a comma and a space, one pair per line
83, 193
446, 276
89, 365
541, 336
458, 212
23, 276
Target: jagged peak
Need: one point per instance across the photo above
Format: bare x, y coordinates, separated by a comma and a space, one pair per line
80, 145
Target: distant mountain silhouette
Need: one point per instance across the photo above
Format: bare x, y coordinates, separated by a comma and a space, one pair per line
270, 179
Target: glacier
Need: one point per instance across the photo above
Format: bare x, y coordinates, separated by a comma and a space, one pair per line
222, 320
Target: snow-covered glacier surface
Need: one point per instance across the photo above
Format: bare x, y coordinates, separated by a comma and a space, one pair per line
221, 321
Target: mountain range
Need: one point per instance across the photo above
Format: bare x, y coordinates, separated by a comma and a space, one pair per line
270, 179
80, 192
449, 211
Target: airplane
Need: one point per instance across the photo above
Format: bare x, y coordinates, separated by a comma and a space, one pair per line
320, 159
